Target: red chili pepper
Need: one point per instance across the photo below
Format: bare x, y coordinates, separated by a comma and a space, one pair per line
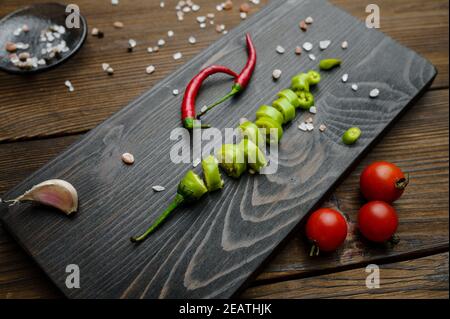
244, 77
188, 106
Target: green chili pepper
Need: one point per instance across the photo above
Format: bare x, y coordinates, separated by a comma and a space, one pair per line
254, 156
271, 112
306, 99
211, 174
268, 124
191, 188
300, 82
328, 64
351, 136
232, 160
313, 77
290, 96
285, 108
251, 131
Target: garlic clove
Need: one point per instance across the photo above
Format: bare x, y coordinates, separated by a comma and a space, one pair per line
55, 193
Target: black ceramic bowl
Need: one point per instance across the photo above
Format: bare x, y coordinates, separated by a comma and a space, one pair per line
38, 17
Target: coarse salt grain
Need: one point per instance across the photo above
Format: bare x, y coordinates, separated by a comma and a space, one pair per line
69, 85
204, 108
170, 33
324, 44
114, 2
161, 42
220, 28
195, 7
128, 158
162, 4
158, 188
210, 15
280, 49
309, 126
309, 20
149, 50
192, 40
150, 69
313, 110
177, 56
303, 127
201, 19
202, 25
175, 92
307, 46
374, 93
322, 128
118, 25
312, 57
345, 78
243, 15
303, 26
105, 66
344, 45
355, 87
276, 74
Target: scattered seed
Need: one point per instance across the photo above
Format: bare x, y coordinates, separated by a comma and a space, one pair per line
307, 46
324, 44
298, 50
23, 46
255, 2
41, 62
245, 7
309, 20
175, 92
202, 25
110, 71
131, 44
355, 87
309, 126
161, 42
105, 66
23, 56
11, 47
25, 28
94, 32
192, 40
150, 69
303, 26
374, 93
128, 158
280, 49
344, 45
158, 188
345, 78
177, 56
313, 110
276, 74
150, 50
220, 28
322, 128
201, 19
170, 33
186, 9
196, 162
114, 2
243, 15
195, 7
303, 127
69, 85
180, 15
228, 5
162, 4
219, 7
312, 57
118, 25
210, 16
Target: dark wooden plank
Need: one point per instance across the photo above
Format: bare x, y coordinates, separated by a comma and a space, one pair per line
181, 259
41, 106
423, 278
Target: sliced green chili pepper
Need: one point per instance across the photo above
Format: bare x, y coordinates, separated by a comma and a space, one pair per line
254, 156
191, 188
313, 77
211, 174
271, 112
351, 136
300, 82
285, 108
290, 96
328, 64
306, 99
251, 131
268, 124
232, 160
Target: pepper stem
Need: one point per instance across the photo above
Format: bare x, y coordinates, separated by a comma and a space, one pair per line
234, 91
179, 199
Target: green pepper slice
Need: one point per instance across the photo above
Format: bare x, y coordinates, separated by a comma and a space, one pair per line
314, 77
328, 64
267, 123
254, 156
271, 112
290, 96
211, 172
285, 108
250, 130
306, 99
300, 82
232, 160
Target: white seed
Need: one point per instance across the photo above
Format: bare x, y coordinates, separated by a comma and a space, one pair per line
220, 28
114, 2
309, 127
186, 9
195, 7
192, 40
280, 49
105, 66
41, 62
110, 71
128, 158
180, 15
175, 92
196, 162
155, 49
322, 128
345, 78
131, 44
94, 32
355, 87
307, 46
303, 127
243, 15
201, 19
149, 50
150, 69
177, 56
312, 57
158, 188
161, 42
313, 110
344, 45
309, 20
170, 33
276, 74
118, 25
374, 93
324, 44
69, 85
219, 7
17, 32
210, 16
162, 4
202, 25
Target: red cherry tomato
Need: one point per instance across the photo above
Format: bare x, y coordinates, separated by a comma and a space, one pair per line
383, 181
377, 221
327, 229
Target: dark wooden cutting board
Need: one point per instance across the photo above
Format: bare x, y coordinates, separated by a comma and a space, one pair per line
211, 248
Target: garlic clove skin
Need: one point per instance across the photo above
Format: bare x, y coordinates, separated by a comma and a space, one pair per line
55, 193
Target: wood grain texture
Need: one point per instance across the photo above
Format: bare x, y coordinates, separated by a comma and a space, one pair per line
423, 278
40, 106
253, 215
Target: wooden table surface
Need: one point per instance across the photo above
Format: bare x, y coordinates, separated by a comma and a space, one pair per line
40, 118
